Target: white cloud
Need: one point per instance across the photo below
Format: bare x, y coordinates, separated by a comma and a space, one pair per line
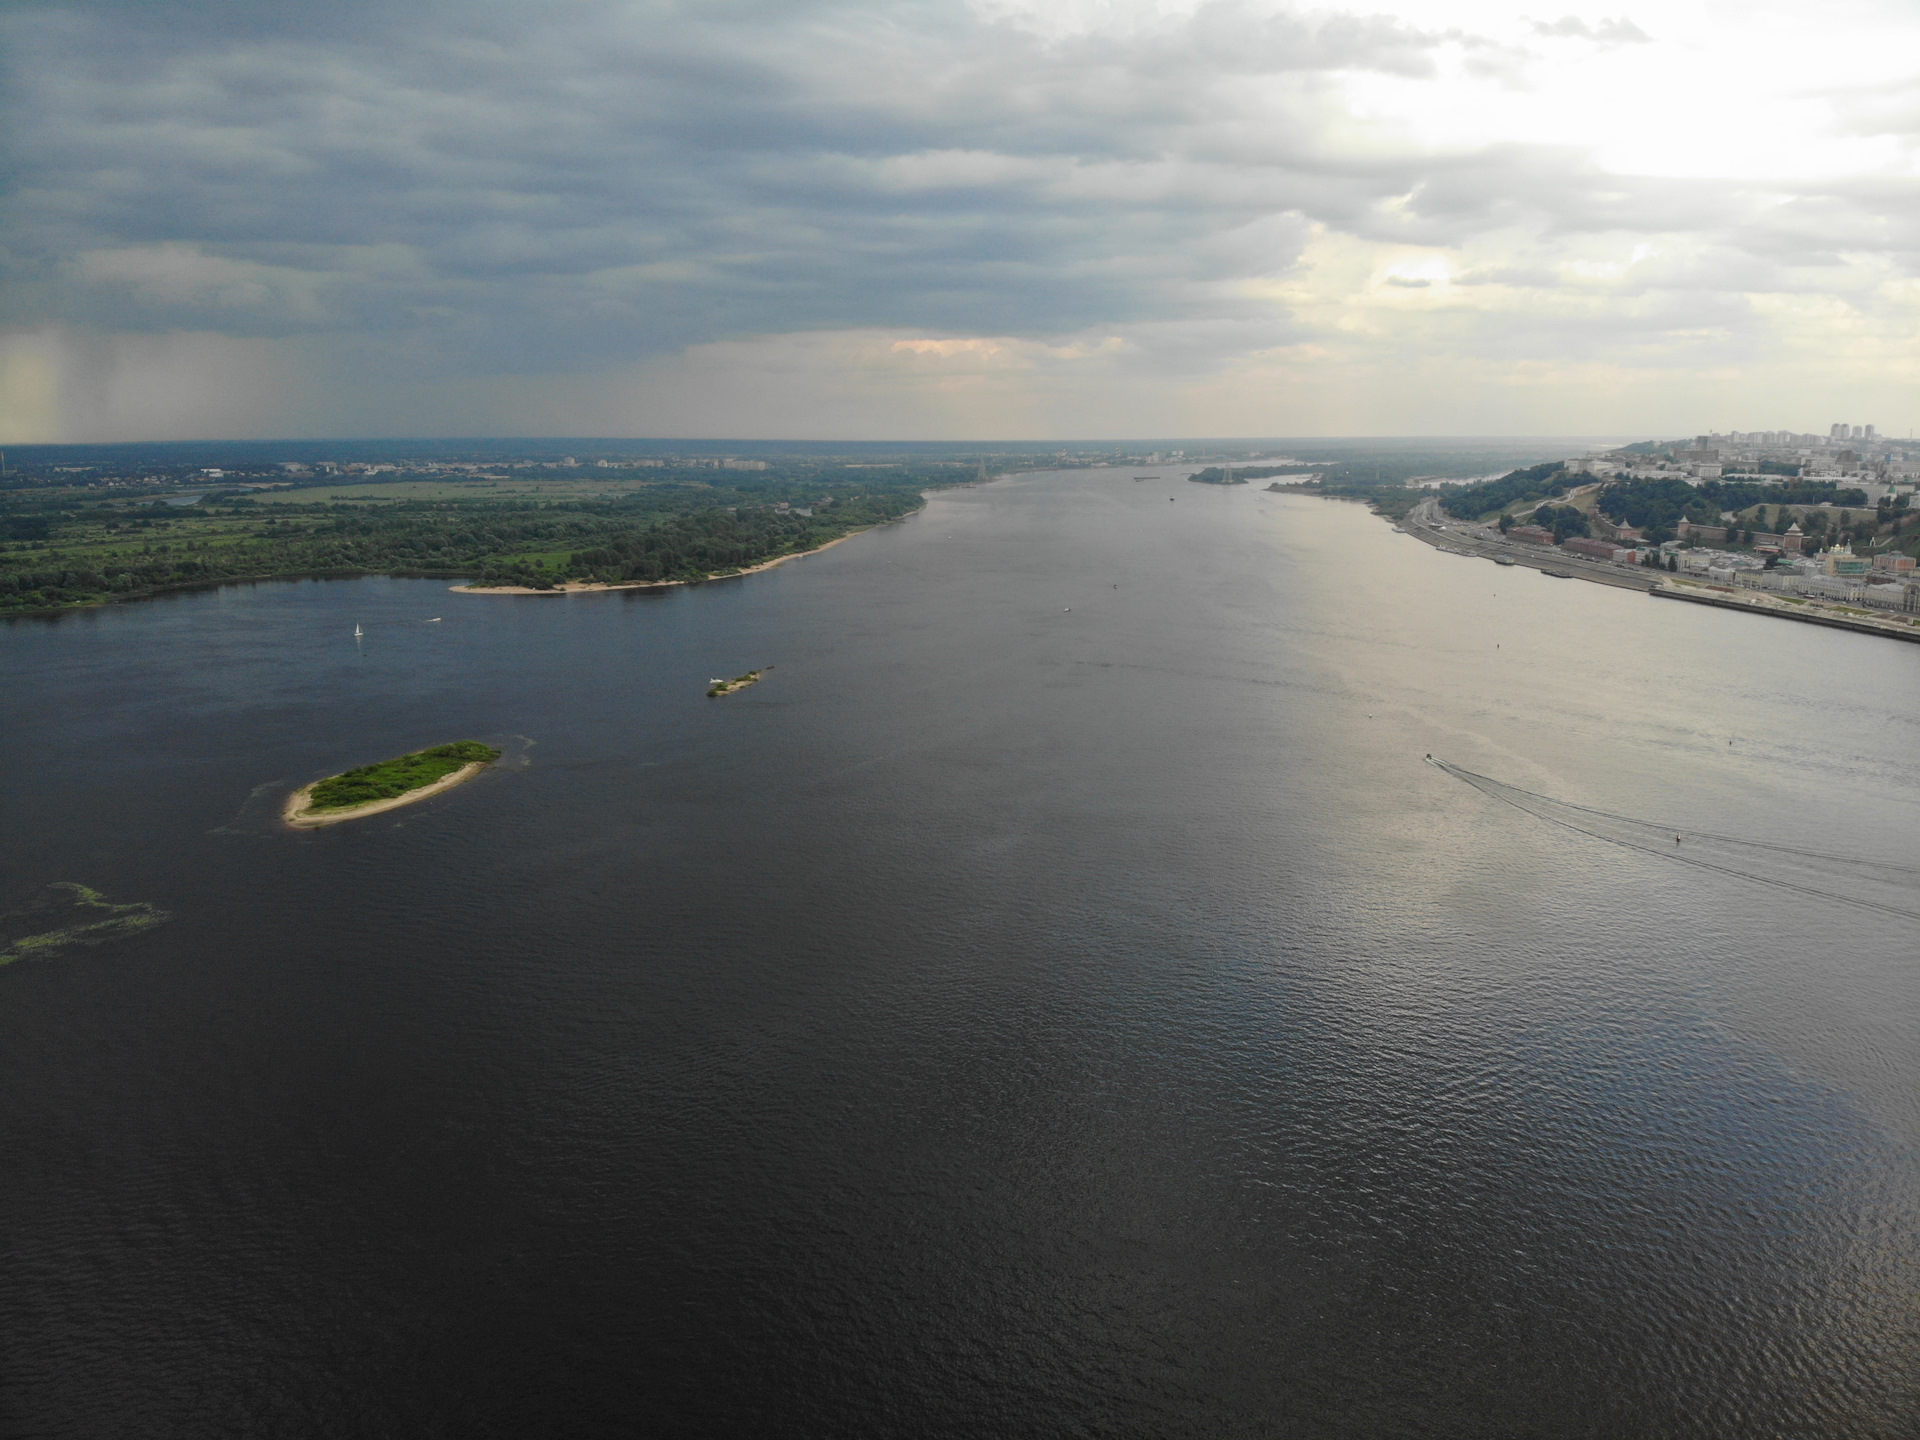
1617, 31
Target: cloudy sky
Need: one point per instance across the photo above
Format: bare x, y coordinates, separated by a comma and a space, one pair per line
955, 218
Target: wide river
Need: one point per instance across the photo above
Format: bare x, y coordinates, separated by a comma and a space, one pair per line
1057, 1000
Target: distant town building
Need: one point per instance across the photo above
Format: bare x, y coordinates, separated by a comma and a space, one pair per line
1842, 562
1611, 529
1531, 534
1588, 545
1831, 587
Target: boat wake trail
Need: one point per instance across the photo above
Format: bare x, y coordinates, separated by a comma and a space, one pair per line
1844, 879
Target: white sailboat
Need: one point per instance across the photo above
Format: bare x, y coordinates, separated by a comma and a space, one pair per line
356, 630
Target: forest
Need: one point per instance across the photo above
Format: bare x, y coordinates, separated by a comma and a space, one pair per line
712, 541
73, 547
1656, 507
1535, 482
1565, 521
1241, 474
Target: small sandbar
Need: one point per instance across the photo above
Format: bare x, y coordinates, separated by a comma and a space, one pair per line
375, 789
717, 688
296, 812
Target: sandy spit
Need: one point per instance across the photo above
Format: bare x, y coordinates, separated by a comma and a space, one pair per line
295, 811
581, 587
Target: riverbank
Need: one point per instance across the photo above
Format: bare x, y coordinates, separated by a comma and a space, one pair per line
1454, 537
1811, 612
151, 592
295, 812
587, 587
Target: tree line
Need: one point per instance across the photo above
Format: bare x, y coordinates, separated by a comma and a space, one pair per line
79, 553
690, 547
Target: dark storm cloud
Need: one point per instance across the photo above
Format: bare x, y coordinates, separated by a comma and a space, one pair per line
714, 169
533, 186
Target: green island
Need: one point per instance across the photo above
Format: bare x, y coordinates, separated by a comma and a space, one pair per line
1241, 474
65, 913
717, 688
369, 789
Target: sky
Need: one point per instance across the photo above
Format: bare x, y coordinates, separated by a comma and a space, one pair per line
955, 219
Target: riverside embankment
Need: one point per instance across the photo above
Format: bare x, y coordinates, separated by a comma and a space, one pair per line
1427, 522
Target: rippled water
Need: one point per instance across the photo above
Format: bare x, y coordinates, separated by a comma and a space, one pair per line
1057, 1000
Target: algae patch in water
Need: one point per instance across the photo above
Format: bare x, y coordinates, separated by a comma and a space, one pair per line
64, 914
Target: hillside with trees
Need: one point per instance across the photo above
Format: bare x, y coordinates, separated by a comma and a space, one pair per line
1744, 495
1536, 482
1656, 507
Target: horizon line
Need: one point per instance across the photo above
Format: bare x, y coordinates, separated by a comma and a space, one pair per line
652, 440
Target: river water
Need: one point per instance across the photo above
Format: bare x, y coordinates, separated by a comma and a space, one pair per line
1057, 1000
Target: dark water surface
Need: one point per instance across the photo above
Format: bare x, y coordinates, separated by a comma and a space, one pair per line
1037, 1008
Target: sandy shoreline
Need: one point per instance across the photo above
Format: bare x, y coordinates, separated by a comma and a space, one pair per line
296, 804
582, 587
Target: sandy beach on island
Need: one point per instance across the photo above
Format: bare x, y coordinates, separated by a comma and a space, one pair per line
296, 804
582, 587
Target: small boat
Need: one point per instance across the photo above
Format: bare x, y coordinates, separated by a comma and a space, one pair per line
1501, 560
356, 630
434, 621
1559, 574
